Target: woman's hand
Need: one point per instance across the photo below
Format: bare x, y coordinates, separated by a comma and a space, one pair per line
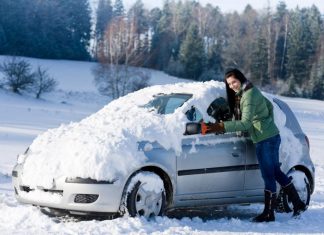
217, 128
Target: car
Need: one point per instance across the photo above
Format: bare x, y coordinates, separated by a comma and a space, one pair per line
143, 155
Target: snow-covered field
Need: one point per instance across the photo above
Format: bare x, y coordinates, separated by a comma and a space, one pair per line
22, 118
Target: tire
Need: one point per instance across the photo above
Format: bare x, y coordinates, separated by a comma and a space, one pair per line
302, 186
144, 197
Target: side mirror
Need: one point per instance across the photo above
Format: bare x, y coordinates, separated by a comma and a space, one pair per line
193, 128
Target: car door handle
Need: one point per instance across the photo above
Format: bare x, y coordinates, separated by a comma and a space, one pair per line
235, 154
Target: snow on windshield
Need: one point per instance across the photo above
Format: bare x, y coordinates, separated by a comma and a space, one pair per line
104, 145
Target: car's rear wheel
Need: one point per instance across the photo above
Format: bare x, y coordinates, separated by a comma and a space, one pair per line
146, 195
302, 186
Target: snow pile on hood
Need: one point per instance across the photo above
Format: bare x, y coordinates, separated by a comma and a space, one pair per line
104, 145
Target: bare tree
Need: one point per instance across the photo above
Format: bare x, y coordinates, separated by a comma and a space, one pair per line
119, 51
43, 82
17, 74
130, 79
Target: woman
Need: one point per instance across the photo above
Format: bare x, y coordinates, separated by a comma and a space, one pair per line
254, 114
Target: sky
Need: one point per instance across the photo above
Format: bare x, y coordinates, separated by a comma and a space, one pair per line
235, 5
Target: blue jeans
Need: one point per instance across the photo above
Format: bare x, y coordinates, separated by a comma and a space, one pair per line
267, 152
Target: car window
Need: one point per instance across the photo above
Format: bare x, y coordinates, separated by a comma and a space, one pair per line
167, 103
194, 115
173, 103
219, 110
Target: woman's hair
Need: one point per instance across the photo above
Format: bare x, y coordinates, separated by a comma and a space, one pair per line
233, 72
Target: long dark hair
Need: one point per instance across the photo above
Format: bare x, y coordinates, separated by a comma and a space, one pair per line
231, 93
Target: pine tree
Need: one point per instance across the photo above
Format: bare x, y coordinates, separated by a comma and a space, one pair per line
318, 88
104, 15
302, 44
192, 54
161, 48
139, 14
259, 65
57, 29
118, 9
14, 21
281, 32
139, 18
78, 22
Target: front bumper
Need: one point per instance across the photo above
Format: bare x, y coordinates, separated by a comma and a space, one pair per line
77, 198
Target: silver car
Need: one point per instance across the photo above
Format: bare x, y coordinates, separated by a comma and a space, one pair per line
209, 170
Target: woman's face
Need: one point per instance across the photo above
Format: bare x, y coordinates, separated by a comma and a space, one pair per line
233, 83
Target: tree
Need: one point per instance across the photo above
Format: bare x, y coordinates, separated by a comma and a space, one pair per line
213, 31
240, 35
104, 15
43, 82
281, 34
318, 88
139, 15
113, 76
161, 44
139, 18
56, 29
78, 23
17, 74
118, 9
215, 62
3, 39
118, 80
259, 66
302, 44
192, 54
14, 21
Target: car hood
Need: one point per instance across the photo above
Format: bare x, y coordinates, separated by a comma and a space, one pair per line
104, 146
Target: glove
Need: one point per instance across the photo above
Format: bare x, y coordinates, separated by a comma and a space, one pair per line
217, 128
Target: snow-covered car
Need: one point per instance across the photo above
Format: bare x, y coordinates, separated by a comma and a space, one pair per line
135, 157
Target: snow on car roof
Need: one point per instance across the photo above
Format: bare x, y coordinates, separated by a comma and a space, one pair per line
103, 146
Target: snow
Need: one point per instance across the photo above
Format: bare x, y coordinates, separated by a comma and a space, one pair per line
99, 141
290, 145
152, 182
24, 118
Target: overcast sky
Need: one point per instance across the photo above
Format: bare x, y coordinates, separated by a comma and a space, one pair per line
239, 5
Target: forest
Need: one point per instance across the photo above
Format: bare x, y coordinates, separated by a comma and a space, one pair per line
278, 49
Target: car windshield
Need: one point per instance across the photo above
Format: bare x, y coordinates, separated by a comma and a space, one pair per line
166, 104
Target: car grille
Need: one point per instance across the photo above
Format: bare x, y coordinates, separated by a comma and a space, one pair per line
86, 198
27, 189
59, 192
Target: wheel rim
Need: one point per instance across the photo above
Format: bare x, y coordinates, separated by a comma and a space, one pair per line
148, 203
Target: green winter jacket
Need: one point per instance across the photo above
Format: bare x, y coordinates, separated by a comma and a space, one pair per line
257, 117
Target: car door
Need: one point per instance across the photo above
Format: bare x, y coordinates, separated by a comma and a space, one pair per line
253, 184
210, 167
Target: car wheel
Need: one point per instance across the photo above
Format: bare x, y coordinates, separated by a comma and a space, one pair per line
146, 195
302, 186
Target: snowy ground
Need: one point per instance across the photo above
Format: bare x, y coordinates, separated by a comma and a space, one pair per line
22, 118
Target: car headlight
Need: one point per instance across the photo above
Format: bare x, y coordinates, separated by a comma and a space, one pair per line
79, 180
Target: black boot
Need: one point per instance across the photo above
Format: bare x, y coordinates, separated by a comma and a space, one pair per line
299, 205
269, 206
